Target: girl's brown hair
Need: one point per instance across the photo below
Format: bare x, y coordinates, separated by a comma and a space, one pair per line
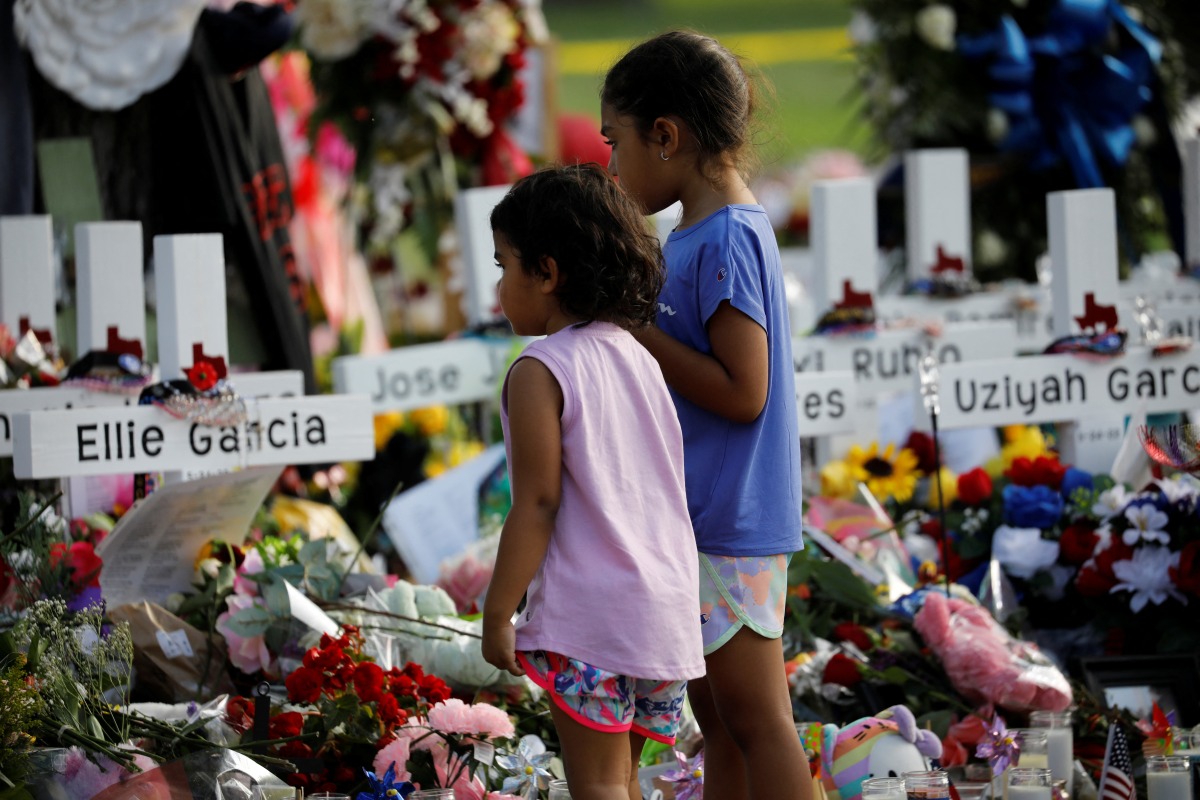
609, 259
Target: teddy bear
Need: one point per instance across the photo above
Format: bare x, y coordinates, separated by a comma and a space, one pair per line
886, 745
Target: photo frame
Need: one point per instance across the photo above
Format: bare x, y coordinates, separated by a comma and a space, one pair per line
1135, 683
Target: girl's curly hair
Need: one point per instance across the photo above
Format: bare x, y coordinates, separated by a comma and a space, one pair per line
608, 256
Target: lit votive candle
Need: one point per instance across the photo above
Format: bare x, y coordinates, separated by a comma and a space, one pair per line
1060, 744
1168, 778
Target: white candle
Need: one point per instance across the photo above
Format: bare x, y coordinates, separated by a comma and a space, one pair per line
1169, 785
1060, 752
1028, 793
1026, 759
889, 794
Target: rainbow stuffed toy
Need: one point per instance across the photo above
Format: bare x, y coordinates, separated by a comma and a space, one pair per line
887, 745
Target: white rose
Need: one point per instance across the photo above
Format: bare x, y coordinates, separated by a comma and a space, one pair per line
997, 125
936, 25
991, 248
333, 29
1022, 551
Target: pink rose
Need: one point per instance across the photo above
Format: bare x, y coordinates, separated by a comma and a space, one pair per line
247, 653
465, 581
251, 565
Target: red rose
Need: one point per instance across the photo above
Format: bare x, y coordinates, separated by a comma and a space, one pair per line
1077, 544
304, 685
842, 670
368, 681
82, 562
286, 725
239, 713
1187, 575
922, 446
434, 689
974, 487
854, 634
1041, 471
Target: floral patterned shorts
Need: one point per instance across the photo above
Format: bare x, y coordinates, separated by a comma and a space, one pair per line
605, 701
741, 590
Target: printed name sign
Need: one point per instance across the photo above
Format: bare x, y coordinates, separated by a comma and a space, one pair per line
99, 441
888, 360
286, 383
1027, 307
826, 403
443, 373
1060, 387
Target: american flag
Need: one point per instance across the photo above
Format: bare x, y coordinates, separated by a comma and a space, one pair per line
1116, 782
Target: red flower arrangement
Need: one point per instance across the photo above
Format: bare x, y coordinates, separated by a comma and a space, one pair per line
345, 708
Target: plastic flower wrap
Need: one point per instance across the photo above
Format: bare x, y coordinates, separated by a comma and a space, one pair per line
986, 664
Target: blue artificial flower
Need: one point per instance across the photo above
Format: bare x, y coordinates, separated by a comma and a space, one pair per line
1074, 479
386, 788
1032, 506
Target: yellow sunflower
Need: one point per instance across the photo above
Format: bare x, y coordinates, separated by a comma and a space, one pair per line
838, 479
887, 474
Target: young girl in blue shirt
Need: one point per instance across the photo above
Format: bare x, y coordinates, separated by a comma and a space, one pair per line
677, 111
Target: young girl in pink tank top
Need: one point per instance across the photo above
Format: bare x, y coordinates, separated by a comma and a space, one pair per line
599, 539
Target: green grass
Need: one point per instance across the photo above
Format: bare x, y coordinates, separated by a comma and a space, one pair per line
814, 101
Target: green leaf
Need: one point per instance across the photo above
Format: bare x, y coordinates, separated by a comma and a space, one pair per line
275, 594
252, 621
313, 553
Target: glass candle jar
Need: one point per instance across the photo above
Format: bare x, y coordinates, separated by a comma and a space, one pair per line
432, 794
883, 789
1033, 744
1029, 783
1168, 778
1060, 744
973, 791
559, 790
927, 784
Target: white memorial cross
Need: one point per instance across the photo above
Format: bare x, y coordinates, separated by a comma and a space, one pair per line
110, 293
844, 256
27, 277
1090, 395
189, 271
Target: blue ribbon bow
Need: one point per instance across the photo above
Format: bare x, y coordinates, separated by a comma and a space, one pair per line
1063, 95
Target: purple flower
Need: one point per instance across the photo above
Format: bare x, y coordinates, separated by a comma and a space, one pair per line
998, 746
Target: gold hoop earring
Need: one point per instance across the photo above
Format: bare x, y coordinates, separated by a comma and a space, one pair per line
663, 155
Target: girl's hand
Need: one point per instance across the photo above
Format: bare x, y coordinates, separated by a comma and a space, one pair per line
500, 647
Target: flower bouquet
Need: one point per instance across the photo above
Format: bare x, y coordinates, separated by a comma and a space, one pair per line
420, 89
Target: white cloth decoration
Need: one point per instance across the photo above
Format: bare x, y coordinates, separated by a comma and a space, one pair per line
107, 53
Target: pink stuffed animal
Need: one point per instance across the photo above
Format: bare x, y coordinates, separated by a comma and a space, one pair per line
984, 663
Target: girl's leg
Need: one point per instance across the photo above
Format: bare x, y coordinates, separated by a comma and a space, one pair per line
636, 743
724, 769
597, 763
749, 691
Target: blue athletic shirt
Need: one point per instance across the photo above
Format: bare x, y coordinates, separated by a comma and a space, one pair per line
742, 479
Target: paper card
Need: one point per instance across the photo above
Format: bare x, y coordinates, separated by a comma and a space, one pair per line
1131, 465
308, 612
174, 644
437, 519
150, 553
